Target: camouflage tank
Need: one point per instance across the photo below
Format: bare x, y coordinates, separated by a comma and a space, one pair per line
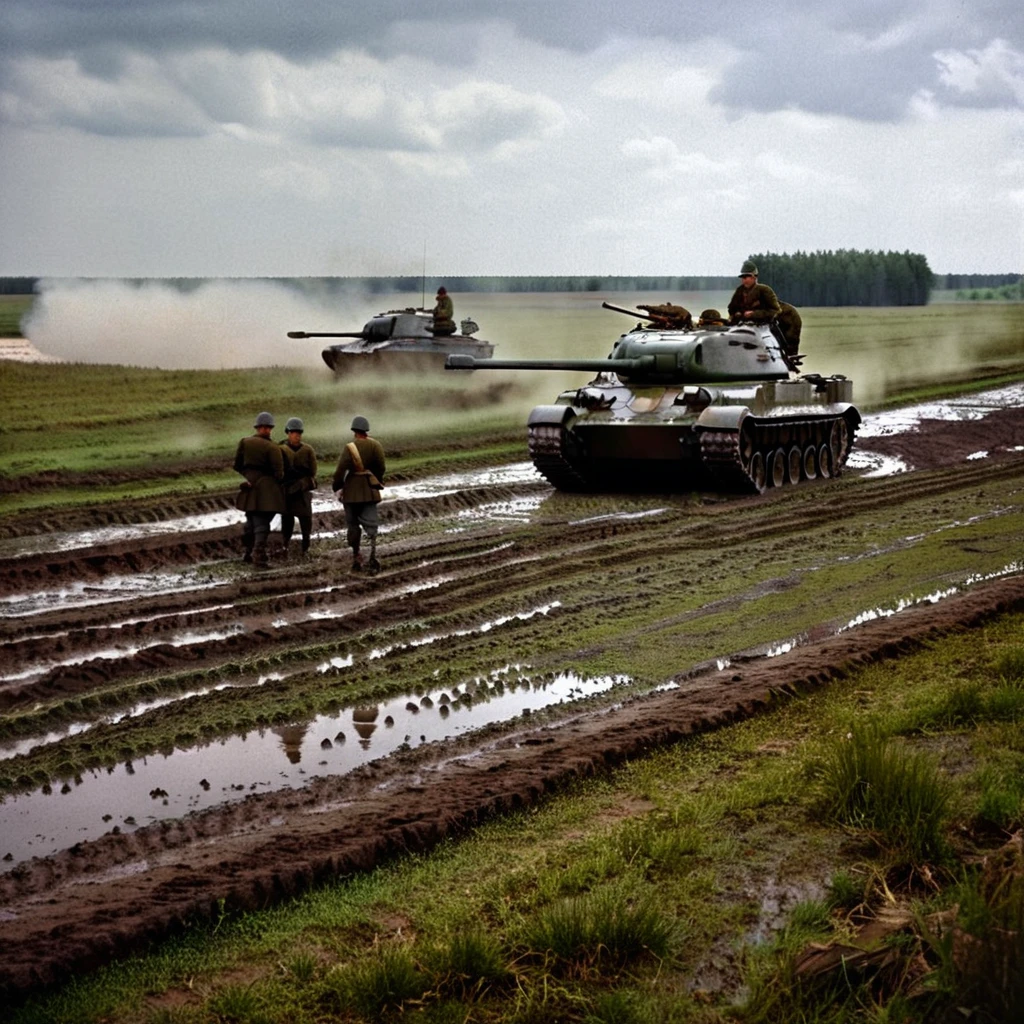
687, 407
400, 339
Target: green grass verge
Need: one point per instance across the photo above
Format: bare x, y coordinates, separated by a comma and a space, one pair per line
664, 891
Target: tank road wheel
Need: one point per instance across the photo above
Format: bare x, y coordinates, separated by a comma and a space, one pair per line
839, 443
756, 471
556, 456
824, 462
775, 468
793, 463
809, 467
746, 445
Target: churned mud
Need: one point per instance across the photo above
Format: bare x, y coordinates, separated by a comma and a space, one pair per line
181, 736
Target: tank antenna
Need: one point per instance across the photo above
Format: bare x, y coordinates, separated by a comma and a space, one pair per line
423, 298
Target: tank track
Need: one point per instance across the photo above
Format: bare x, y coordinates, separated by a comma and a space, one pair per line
547, 447
769, 453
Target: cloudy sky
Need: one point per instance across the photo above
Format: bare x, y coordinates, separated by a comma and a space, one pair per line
347, 137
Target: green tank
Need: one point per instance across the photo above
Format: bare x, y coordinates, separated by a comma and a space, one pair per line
720, 407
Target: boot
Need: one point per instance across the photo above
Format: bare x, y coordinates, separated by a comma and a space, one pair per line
357, 561
373, 566
259, 556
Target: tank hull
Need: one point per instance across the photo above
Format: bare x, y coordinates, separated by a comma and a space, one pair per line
744, 437
403, 354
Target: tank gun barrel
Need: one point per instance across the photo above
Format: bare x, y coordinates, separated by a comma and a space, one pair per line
628, 312
313, 334
635, 365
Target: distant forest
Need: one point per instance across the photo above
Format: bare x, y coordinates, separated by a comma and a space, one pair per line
842, 278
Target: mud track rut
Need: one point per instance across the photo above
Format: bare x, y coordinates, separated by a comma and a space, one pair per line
100, 899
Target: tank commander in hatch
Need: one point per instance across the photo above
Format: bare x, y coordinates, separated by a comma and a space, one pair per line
757, 303
260, 494
753, 302
443, 313
299, 483
357, 482
711, 318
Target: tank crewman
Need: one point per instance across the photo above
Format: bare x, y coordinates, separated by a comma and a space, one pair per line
669, 317
357, 482
260, 494
753, 302
444, 313
299, 482
711, 318
791, 324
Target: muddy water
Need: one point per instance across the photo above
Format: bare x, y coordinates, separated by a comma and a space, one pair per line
161, 787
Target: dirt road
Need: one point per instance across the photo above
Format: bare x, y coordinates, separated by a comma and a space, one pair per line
183, 737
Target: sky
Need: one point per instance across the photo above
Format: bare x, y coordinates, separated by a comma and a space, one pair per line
238, 138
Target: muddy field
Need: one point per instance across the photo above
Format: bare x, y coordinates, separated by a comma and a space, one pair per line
181, 735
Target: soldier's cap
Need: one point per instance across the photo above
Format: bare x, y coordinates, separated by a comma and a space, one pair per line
294, 424
710, 315
749, 267
264, 419
360, 423
441, 291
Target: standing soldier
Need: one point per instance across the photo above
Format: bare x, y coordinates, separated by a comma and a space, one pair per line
299, 483
358, 479
260, 496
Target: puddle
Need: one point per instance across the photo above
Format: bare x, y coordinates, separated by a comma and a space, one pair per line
106, 591
875, 465
168, 786
961, 408
185, 639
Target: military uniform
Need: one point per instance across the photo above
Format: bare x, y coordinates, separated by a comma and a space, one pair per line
444, 315
358, 496
791, 324
300, 470
260, 496
759, 299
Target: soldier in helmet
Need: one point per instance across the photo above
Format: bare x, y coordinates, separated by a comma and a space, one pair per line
358, 479
299, 483
260, 496
753, 302
711, 318
444, 313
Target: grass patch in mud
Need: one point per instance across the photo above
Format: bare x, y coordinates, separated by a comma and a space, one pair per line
701, 883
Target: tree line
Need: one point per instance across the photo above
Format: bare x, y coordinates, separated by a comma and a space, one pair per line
847, 277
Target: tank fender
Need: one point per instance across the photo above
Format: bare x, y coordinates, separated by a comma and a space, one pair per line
722, 417
551, 415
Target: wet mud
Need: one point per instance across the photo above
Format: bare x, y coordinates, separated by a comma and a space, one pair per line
106, 637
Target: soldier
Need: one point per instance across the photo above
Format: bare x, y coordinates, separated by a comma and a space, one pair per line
299, 483
753, 302
358, 478
260, 496
444, 313
790, 324
711, 318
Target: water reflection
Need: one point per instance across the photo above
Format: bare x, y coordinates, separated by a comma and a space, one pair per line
40, 823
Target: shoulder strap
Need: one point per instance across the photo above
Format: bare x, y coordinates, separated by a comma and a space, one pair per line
356, 457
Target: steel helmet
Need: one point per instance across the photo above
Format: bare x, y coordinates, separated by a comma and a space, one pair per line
294, 424
264, 420
361, 423
710, 315
749, 267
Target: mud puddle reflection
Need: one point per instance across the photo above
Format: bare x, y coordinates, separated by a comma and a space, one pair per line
160, 787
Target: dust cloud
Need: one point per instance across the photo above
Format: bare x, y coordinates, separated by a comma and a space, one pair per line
210, 324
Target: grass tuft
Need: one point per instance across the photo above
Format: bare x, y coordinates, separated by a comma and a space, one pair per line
872, 783
386, 981
607, 925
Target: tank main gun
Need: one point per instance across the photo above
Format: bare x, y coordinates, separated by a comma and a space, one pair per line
326, 334
649, 355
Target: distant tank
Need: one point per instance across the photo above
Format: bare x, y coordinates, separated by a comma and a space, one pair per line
688, 407
400, 338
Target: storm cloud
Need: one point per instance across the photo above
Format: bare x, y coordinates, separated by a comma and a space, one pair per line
239, 137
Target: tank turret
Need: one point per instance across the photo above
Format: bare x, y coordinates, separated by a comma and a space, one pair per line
682, 408
400, 338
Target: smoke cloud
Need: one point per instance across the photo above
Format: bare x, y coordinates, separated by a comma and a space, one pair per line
209, 324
